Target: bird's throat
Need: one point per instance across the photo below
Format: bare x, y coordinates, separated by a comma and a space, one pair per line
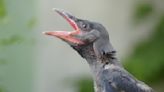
88, 53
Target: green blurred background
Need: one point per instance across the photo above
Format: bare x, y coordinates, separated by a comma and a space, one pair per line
25, 54
17, 40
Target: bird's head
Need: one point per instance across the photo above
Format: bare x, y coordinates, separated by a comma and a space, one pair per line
84, 33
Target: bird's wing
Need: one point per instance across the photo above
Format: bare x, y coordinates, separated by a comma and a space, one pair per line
122, 81
109, 87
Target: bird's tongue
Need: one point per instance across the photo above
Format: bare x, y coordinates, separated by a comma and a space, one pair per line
65, 35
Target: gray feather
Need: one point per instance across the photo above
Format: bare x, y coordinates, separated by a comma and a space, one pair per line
124, 82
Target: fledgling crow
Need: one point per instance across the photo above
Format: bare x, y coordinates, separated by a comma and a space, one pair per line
91, 41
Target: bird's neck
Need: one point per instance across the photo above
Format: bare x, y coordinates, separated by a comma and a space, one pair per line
97, 65
94, 62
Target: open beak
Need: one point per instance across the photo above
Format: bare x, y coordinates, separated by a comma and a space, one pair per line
65, 35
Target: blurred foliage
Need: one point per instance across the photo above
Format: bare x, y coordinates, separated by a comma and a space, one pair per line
2, 61
32, 22
11, 40
84, 84
142, 11
2, 9
2, 89
147, 61
16, 49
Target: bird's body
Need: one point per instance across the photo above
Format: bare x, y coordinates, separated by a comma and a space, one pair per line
109, 75
91, 41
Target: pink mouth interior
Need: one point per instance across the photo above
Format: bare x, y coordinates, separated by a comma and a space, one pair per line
65, 35
71, 22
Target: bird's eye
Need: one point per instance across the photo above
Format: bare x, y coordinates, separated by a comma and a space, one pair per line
84, 25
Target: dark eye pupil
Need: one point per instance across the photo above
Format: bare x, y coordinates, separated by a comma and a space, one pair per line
84, 26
